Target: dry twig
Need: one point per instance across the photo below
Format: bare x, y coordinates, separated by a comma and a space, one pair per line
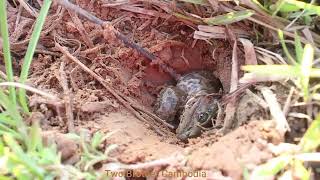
67, 98
81, 29
28, 8
152, 115
96, 20
249, 52
288, 102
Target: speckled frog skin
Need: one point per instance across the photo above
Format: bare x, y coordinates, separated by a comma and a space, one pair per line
189, 103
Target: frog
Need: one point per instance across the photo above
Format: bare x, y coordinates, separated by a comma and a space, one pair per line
168, 103
191, 105
199, 113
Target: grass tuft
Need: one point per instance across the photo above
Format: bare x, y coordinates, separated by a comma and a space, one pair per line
30, 51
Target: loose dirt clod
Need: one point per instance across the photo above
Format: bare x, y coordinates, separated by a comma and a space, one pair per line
68, 148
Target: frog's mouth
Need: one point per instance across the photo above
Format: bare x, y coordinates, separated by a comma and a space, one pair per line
193, 132
190, 124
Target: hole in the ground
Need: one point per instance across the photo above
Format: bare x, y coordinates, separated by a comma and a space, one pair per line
191, 105
194, 96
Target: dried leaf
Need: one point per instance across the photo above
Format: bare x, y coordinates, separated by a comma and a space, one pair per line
253, 78
249, 52
282, 125
200, 2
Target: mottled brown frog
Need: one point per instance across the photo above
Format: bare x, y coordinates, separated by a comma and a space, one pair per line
190, 104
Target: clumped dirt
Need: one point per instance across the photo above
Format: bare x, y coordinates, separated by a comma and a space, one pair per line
125, 71
227, 154
136, 143
246, 146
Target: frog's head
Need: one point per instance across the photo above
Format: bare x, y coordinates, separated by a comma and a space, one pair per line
198, 112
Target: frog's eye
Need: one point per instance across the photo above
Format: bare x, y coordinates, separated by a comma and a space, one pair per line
203, 117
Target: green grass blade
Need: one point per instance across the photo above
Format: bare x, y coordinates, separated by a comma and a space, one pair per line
306, 67
272, 167
286, 51
304, 6
228, 18
298, 47
96, 140
49, 155
245, 174
21, 157
300, 171
315, 72
6, 119
11, 108
30, 51
287, 6
12, 143
6, 48
2, 150
5, 129
282, 6
260, 5
35, 137
279, 70
5, 178
298, 14
12, 111
276, 7
311, 141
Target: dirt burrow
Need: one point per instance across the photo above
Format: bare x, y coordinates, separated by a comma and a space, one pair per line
96, 110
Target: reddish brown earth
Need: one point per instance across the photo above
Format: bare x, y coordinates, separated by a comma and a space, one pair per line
126, 71
227, 154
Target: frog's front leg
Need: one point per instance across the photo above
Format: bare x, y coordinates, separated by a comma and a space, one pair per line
188, 125
168, 103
